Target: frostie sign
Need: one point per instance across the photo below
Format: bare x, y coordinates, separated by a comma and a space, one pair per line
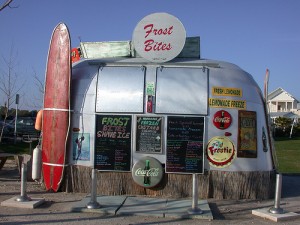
159, 37
220, 152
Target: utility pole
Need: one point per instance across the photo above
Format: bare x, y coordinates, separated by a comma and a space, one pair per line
16, 118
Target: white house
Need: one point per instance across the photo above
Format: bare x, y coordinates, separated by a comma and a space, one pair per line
282, 104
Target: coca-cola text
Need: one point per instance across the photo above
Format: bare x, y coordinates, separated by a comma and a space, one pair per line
152, 172
222, 120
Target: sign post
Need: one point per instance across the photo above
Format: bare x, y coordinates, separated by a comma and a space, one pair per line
93, 204
195, 209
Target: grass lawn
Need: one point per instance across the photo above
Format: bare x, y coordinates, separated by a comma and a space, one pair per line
288, 154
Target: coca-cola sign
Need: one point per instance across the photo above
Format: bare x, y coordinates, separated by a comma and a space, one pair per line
147, 172
222, 119
159, 37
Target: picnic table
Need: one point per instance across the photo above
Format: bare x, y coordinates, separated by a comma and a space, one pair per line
19, 159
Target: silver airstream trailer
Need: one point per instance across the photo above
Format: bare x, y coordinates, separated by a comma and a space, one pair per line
148, 125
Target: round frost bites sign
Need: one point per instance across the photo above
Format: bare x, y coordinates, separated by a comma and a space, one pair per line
159, 37
147, 172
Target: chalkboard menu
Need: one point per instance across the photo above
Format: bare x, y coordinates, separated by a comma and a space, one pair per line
185, 144
113, 142
148, 134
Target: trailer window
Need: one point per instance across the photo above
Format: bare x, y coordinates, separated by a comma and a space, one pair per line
181, 91
120, 89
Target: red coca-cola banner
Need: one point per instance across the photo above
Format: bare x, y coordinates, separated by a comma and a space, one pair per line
222, 119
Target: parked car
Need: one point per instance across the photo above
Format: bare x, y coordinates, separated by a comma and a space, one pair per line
25, 126
7, 128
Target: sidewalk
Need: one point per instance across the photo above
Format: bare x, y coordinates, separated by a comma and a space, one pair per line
70, 208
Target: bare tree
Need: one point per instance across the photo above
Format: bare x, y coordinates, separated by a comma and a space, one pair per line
37, 100
39, 84
9, 83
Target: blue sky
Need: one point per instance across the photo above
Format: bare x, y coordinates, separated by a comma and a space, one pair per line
253, 34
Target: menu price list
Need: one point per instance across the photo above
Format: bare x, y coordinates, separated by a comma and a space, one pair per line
113, 143
148, 134
185, 144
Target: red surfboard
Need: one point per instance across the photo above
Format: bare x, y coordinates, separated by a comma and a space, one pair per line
56, 111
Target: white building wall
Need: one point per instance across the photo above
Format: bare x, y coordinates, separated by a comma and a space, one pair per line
282, 103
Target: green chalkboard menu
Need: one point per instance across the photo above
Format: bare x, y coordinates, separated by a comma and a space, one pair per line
185, 144
113, 142
148, 134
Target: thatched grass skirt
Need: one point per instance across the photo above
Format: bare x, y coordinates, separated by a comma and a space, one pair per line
214, 184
